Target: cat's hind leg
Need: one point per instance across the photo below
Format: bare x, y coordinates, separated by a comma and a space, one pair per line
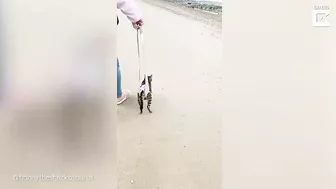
149, 102
140, 101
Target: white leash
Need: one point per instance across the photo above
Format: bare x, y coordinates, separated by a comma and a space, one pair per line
140, 46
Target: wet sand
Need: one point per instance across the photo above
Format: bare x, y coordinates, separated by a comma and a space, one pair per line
178, 146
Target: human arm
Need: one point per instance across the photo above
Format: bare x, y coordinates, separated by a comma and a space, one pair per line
131, 11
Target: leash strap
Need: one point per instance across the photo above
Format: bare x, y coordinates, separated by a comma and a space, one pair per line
140, 46
139, 32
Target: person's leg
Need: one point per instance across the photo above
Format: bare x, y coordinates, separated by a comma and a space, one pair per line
122, 95
119, 92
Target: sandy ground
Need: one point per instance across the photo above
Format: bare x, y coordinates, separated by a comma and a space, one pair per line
178, 146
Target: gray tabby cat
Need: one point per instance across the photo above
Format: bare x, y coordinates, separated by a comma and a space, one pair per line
142, 97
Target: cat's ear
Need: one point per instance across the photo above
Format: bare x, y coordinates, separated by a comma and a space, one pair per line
151, 75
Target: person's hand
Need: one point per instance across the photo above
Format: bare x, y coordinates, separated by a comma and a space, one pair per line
138, 24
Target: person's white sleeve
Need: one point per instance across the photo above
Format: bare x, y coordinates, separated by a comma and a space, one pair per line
130, 9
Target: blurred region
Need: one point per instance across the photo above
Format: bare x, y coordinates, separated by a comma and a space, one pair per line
279, 100
57, 93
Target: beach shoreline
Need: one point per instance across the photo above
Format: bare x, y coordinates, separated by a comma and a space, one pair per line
210, 18
209, 6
